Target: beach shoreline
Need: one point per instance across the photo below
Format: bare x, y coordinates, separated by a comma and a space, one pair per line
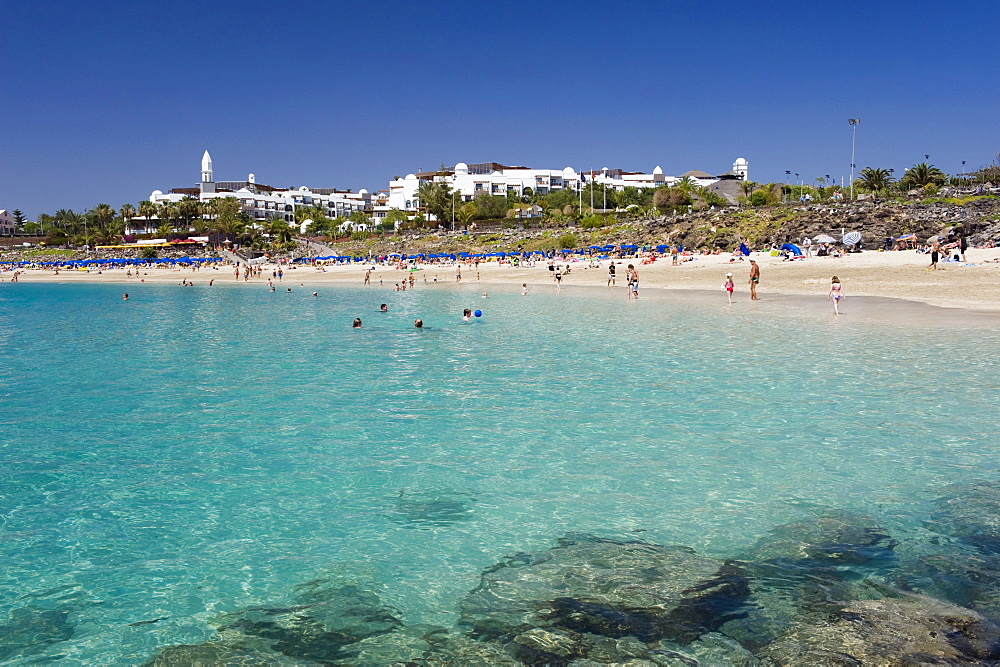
902, 275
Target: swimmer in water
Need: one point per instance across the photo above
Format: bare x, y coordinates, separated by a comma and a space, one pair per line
384, 308
315, 293
418, 323
125, 296
485, 295
466, 315
357, 323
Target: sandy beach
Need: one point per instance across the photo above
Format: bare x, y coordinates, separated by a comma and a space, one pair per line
974, 285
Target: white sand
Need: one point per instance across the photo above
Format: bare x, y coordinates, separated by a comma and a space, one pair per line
975, 285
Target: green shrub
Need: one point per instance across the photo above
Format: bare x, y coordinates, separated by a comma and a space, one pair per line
568, 241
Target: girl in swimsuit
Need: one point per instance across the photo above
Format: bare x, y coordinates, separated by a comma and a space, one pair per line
729, 287
836, 294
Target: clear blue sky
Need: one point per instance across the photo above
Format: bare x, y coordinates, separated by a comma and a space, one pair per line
105, 102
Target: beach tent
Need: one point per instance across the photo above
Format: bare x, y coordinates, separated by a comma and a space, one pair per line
794, 248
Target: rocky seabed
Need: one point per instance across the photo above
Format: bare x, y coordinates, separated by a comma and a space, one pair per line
830, 590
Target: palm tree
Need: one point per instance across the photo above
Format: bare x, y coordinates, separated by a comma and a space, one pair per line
875, 180
127, 212
168, 214
147, 210
922, 174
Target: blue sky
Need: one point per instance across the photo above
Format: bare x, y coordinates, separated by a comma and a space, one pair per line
105, 102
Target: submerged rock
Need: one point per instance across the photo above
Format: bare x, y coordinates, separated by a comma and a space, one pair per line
29, 630
562, 604
809, 569
834, 538
330, 617
910, 630
220, 653
968, 579
970, 512
431, 508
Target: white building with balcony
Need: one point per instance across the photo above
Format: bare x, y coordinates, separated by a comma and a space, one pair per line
264, 202
497, 179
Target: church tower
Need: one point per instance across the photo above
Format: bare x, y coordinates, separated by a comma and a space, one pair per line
207, 182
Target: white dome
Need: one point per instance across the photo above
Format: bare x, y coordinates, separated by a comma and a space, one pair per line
411, 177
461, 168
657, 171
303, 189
362, 191
251, 178
156, 193
740, 161
568, 171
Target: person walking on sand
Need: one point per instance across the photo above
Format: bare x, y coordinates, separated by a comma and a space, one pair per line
611, 274
728, 285
458, 273
935, 255
754, 279
368, 277
632, 278
836, 294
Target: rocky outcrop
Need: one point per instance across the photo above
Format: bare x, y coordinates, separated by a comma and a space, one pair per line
910, 630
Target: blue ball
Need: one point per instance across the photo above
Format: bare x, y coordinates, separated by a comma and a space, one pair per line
478, 313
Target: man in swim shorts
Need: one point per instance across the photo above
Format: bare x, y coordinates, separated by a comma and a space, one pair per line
754, 279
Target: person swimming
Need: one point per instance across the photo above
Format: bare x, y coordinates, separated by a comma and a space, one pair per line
357, 323
466, 314
418, 323
383, 308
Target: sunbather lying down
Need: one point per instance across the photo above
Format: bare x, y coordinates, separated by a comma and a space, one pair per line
995, 260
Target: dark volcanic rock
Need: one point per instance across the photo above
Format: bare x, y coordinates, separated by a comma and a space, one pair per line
911, 630
560, 604
970, 512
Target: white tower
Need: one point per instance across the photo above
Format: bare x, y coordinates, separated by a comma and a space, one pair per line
207, 182
740, 168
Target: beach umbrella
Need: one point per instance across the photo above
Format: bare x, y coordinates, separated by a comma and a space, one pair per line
824, 238
935, 238
794, 248
851, 238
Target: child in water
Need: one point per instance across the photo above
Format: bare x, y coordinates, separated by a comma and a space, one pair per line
836, 294
728, 285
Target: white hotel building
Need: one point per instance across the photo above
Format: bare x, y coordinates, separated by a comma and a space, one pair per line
263, 202
497, 179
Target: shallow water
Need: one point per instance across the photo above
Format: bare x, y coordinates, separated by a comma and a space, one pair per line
199, 450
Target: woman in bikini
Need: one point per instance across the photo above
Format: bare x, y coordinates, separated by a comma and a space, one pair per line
836, 294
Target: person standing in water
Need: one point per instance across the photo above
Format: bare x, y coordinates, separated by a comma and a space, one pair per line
729, 287
754, 279
836, 294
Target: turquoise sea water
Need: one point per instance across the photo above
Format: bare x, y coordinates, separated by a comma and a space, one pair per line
198, 450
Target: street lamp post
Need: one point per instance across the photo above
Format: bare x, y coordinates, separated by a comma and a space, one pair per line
788, 172
798, 181
854, 134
